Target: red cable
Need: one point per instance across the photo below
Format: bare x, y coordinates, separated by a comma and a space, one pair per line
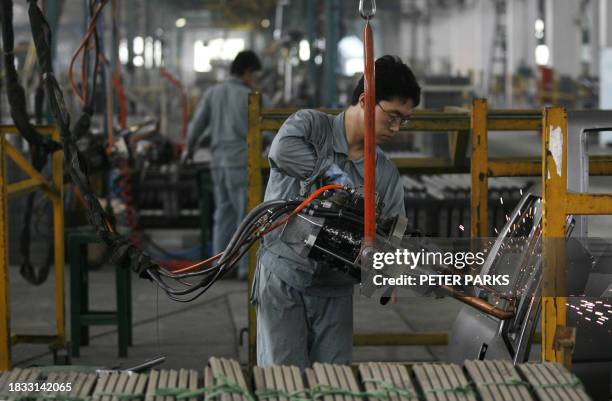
369, 152
84, 42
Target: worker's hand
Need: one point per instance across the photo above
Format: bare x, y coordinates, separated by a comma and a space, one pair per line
186, 157
335, 175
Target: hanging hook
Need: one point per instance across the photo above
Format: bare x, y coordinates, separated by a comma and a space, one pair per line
369, 11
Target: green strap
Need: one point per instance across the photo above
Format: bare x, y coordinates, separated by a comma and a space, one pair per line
225, 386
389, 387
324, 390
457, 390
300, 395
60, 397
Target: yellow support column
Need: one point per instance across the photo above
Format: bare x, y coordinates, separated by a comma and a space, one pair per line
554, 179
5, 316
58, 239
479, 207
255, 185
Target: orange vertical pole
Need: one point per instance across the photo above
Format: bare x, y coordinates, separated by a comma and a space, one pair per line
369, 155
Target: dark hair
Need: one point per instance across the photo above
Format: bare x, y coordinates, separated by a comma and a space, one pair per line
244, 61
394, 80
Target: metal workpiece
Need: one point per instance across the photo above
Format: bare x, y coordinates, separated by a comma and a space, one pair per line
54, 190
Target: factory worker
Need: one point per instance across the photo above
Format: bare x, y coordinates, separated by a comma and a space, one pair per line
305, 311
222, 115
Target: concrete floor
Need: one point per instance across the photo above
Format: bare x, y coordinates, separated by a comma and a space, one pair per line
188, 334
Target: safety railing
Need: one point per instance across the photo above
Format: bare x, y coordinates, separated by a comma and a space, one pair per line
460, 125
54, 191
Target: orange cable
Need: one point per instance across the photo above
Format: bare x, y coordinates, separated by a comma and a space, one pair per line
301, 206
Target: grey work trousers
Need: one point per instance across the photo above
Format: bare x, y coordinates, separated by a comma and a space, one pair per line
230, 194
298, 329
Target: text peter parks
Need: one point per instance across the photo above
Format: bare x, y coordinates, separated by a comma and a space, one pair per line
435, 268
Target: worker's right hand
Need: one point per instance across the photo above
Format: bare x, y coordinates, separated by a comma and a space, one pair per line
335, 175
186, 157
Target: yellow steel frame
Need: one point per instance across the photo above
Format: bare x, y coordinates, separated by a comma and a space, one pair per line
483, 121
458, 124
557, 204
54, 190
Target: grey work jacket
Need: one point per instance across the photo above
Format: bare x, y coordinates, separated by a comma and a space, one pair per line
222, 114
302, 151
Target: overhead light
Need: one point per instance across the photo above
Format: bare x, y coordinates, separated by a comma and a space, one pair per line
157, 52
539, 28
148, 52
265, 23
304, 50
138, 45
123, 51
138, 61
350, 47
201, 58
539, 25
318, 59
542, 55
353, 66
181, 22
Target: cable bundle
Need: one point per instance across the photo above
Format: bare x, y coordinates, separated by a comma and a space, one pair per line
193, 280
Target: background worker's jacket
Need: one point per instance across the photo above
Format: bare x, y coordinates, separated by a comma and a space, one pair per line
222, 115
307, 144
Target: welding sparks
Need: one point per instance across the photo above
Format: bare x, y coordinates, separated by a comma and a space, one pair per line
461, 227
501, 200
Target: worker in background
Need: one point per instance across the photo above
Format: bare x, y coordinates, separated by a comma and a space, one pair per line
305, 310
222, 115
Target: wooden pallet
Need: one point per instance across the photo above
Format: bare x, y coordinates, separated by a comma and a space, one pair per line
227, 369
110, 385
328, 376
283, 380
17, 376
385, 377
443, 382
552, 382
477, 380
497, 381
81, 384
182, 379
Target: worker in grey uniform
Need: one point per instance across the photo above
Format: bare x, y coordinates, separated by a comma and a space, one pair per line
304, 310
222, 115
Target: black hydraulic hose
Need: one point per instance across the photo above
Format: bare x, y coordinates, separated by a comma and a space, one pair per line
233, 253
40, 144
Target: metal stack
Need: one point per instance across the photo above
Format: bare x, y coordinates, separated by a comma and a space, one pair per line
224, 380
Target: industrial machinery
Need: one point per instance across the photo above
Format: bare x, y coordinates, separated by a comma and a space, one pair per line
500, 321
588, 278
